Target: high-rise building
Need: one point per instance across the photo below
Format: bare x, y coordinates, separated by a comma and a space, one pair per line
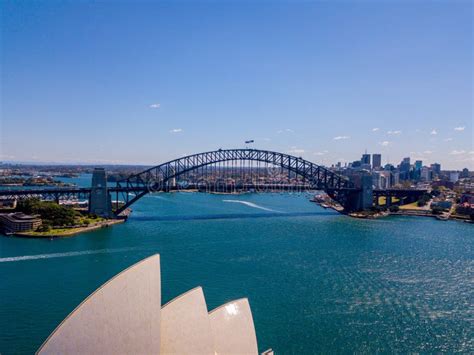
376, 161
389, 167
453, 176
418, 165
377, 180
436, 168
416, 174
386, 177
425, 173
405, 169
395, 178
365, 159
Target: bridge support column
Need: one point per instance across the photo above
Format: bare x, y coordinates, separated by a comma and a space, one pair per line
376, 200
367, 193
100, 202
363, 198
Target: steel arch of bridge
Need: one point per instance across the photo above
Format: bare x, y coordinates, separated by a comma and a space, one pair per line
155, 179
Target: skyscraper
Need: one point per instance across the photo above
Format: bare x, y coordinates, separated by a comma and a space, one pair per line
418, 165
365, 159
405, 167
376, 161
436, 168
425, 174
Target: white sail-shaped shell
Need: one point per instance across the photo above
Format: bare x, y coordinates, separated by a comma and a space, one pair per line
233, 329
185, 326
121, 317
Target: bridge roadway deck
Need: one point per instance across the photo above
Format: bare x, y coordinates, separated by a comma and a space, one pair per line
68, 191
12, 193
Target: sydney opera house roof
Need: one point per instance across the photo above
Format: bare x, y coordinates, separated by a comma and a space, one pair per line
125, 316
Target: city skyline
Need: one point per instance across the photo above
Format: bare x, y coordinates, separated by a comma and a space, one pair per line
146, 83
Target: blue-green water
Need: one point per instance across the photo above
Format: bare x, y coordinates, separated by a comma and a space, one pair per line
83, 180
317, 281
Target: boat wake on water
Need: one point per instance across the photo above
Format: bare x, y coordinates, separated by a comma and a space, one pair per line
232, 216
253, 205
63, 255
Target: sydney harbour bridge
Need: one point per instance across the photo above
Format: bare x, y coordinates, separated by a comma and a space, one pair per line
222, 170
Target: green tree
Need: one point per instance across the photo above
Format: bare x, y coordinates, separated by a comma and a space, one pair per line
45, 227
50, 212
423, 200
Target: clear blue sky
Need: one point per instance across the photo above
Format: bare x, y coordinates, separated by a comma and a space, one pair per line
143, 82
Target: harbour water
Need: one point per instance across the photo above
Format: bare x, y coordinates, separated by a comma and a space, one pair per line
317, 281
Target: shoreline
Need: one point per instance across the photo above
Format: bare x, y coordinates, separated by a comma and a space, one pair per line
411, 214
71, 232
382, 214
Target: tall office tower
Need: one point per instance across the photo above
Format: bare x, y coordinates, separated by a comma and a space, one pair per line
365, 159
376, 161
405, 169
418, 165
100, 203
436, 168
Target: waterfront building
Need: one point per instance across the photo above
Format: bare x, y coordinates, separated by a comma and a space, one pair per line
74, 203
8, 203
376, 161
125, 316
18, 222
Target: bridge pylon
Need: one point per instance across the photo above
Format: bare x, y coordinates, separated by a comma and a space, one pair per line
100, 202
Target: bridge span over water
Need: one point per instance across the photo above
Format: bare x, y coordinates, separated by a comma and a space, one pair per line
238, 162
217, 171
